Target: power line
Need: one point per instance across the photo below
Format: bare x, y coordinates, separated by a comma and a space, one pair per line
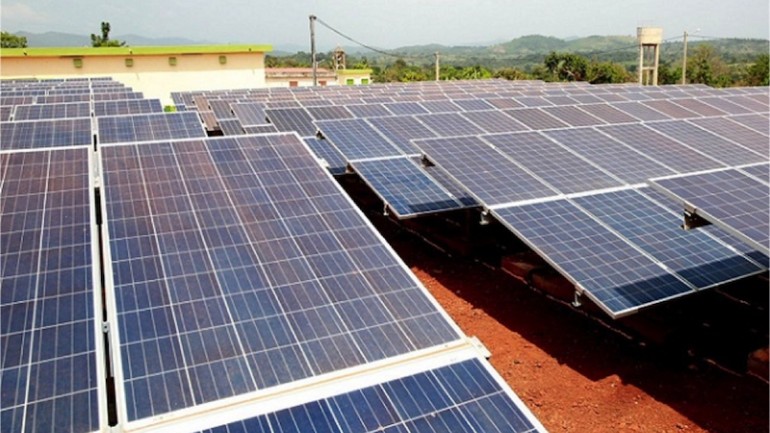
376, 50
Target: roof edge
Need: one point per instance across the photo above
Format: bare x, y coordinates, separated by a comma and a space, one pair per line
133, 51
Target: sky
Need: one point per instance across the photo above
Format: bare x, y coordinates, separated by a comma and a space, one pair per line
386, 24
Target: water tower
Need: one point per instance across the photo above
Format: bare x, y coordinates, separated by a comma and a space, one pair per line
650, 39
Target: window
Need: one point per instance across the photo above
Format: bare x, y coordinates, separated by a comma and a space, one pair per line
172, 61
350, 82
321, 82
222, 60
293, 84
78, 63
129, 63
364, 81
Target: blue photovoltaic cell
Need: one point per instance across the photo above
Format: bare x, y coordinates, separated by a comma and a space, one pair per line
697, 106
231, 127
221, 109
127, 106
747, 137
710, 144
483, 171
752, 104
663, 149
329, 112
250, 113
49, 367
503, 103
52, 111
404, 108
401, 130
357, 139
260, 129
449, 124
560, 168
641, 112
473, 104
692, 254
624, 162
368, 110
292, 119
725, 105
238, 265
728, 198
405, 188
612, 271
608, 113
459, 398
149, 127
760, 171
535, 118
441, 106
670, 109
45, 133
449, 184
494, 121
573, 116
757, 122
334, 161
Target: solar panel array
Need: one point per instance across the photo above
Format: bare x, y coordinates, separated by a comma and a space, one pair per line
235, 269
509, 144
735, 199
52, 370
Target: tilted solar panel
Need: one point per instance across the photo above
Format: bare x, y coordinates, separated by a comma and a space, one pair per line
149, 127
45, 134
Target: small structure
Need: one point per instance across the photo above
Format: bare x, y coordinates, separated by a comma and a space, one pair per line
302, 77
650, 39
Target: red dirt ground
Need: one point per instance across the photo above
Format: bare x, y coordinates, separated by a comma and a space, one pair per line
573, 373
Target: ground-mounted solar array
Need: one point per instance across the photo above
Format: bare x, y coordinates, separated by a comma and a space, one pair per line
526, 142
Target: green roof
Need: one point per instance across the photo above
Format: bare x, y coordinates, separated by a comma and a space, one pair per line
133, 51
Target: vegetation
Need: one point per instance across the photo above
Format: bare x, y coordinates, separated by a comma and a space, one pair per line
9, 40
596, 59
104, 40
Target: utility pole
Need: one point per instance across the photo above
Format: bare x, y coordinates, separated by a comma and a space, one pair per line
437, 65
684, 60
312, 50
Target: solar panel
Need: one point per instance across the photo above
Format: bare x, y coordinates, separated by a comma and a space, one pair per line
623, 161
483, 171
405, 108
368, 110
612, 272
533, 101
149, 127
729, 198
45, 133
332, 159
494, 121
473, 104
250, 113
127, 106
329, 112
760, 171
536, 119
231, 127
52, 111
52, 379
724, 105
401, 130
260, 129
561, 169
711, 145
561, 100
356, 139
670, 109
698, 107
292, 119
221, 109
460, 397
5, 112
608, 113
737, 133
641, 112
693, 255
406, 189
504, 103
660, 147
752, 104
441, 106
574, 116
449, 124
756, 122
240, 265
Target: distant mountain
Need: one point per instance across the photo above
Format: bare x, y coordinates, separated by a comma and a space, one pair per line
530, 44
56, 39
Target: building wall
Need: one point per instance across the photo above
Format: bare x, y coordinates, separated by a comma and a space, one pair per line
151, 74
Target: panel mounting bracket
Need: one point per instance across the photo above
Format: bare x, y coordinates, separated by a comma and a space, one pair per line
693, 220
576, 302
485, 220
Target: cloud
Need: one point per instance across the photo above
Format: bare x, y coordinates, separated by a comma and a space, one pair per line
17, 13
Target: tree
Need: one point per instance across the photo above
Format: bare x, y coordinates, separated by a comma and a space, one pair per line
705, 66
8, 40
511, 74
104, 40
758, 74
566, 66
607, 72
